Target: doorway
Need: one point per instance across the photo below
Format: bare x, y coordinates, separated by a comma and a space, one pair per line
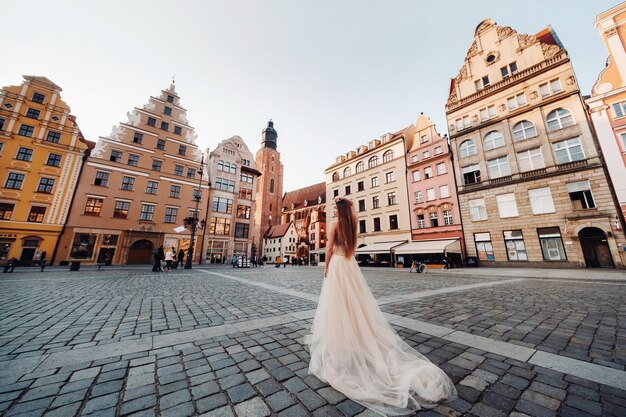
140, 252
593, 242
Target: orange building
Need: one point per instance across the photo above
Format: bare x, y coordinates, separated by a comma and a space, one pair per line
41, 153
137, 186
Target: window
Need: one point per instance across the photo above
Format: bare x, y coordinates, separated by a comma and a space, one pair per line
524, 130
558, 119
471, 174
361, 205
147, 212
493, 139
219, 226
178, 170
477, 85
511, 69
243, 177
6, 211
167, 111
484, 249
128, 183
441, 168
360, 186
348, 190
243, 212
530, 159
45, 185
38, 98
152, 187
93, 207
362, 227
170, 98
14, 181
156, 164
619, 109
175, 191
24, 154
447, 218
170, 214
541, 200
389, 177
372, 162
375, 202
116, 156
418, 197
425, 154
178, 130
547, 89
225, 184
467, 148
165, 126
443, 191
36, 214
160, 144
242, 230
360, 167
374, 182
54, 160
580, 195
222, 205
499, 167
246, 194
83, 245
478, 210
377, 224
387, 156
33, 113
347, 172
133, 160
507, 206
518, 100
191, 173
430, 194
121, 209
568, 151
434, 219
151, 121
335, 177
421, 222
391, 199
393, 222
487, 113
182, 150
428, 173
416, 175
463, 123
623, 142
138, 137
438, 150
551, 244
514, 243
2, 124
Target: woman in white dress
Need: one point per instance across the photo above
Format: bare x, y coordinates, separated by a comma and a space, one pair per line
354, 349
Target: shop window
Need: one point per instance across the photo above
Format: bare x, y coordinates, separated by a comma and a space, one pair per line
514, 243
484, 248
551, 244
83, 245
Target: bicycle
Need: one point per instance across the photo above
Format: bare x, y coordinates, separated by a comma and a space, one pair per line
420, 267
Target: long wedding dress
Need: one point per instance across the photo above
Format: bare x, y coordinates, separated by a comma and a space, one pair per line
355, 350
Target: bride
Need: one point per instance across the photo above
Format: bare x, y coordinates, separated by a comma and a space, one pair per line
352, 346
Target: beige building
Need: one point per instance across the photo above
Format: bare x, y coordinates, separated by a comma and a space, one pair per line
280, 241
531, 183
374, 177
234, 176
136, 188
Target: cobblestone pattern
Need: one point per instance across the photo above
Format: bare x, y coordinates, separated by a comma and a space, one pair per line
582, 321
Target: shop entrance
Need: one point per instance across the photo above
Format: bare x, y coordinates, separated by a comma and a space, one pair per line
595, 248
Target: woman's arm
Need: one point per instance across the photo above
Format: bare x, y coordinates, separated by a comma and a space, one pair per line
330, 243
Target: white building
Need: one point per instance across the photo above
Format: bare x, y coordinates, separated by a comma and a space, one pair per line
280, 240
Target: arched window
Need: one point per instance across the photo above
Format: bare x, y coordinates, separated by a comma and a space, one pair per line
467, 148
360, 167
373, 161
335, 176
388, 156
493, 139
558, 119
347, 172
524, 130
220, 165
272, 185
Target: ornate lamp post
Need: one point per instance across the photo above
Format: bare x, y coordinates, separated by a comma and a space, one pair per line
193, 223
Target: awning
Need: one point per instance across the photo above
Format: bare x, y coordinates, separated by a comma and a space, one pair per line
430, 246
380, 247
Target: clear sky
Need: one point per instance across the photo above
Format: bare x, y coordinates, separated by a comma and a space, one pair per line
332, 74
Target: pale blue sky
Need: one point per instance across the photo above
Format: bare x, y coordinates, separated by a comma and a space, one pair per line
331, 74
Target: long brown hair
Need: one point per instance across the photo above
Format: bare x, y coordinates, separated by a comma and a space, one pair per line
346, 226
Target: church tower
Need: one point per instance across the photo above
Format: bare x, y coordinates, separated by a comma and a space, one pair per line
269, 191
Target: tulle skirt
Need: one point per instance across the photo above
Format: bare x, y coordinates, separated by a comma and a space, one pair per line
355, 350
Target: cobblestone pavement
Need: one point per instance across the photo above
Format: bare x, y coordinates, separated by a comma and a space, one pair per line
225, 342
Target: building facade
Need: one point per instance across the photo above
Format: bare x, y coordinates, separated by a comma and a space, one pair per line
136, 188
41, 154
234, 177
280, 241
607, 103
306, 208
374, 177
269, 188
531, 183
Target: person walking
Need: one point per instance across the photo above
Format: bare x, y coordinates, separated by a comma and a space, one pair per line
234, 260
169, 259
159, 255
285, 260
11, 264
42, 260
181, 258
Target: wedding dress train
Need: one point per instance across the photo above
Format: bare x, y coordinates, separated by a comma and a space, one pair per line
355, 350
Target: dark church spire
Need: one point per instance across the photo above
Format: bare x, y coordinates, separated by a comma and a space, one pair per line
269, 136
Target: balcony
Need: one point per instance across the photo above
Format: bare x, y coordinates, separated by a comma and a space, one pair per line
574, 164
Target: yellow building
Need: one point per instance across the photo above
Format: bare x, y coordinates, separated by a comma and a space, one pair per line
41, 152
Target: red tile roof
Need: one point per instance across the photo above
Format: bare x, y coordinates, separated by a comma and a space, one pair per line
310, 194
277, 231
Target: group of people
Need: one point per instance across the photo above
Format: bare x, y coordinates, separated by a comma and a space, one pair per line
12, 263
172, 259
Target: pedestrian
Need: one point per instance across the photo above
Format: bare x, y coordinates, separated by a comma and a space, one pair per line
169, 259
285, 260
42, 260
181, 257
446, 262
11, 264
234, 260
278, 262
159, 255
254, 262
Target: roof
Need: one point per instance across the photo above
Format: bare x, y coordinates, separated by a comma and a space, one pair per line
42, 80
310, 194
549, 36
277, 231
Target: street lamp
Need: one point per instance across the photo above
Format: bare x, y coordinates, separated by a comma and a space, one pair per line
193, 223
